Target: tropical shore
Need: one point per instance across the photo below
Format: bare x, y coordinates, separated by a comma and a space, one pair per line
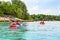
8, 19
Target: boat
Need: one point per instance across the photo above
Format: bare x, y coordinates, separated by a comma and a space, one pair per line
42, 22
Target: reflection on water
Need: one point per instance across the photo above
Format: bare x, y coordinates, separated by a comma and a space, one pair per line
49, 31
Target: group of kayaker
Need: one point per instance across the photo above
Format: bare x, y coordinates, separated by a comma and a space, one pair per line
15, 24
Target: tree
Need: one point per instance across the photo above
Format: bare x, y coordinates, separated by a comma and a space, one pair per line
22, 6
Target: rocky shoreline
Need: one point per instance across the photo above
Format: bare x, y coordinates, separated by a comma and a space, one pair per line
7, 19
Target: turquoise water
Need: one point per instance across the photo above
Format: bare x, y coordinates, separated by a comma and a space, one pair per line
49, 31
8, 34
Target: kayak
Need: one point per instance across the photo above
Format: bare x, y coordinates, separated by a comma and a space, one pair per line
42, 22
15, 26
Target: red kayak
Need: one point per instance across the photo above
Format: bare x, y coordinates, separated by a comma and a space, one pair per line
13, 26
42, 22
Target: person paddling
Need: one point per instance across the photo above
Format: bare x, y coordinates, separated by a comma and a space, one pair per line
42, 22
17, 23
13, 25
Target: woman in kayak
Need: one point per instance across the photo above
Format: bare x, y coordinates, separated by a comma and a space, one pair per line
13, 25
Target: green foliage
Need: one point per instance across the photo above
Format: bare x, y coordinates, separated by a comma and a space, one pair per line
19, 13
23, 9
45, 17
18, 9
1, 14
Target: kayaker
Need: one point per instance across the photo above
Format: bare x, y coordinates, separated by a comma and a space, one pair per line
17, 23
13, 25
42, 22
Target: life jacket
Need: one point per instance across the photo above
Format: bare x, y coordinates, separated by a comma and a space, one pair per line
13, 26
17, 23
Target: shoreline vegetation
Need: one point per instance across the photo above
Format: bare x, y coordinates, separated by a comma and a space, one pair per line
3, 19
9, 18
39, 17
17, 10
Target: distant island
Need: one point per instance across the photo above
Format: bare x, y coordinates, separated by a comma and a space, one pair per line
17, 9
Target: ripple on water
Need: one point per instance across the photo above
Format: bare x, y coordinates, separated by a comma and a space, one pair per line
35, 32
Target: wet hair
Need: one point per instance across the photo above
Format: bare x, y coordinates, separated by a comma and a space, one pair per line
13, 21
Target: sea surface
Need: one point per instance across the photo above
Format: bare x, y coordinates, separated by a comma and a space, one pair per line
35, 31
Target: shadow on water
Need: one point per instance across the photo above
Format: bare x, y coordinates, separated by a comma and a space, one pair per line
7, 34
